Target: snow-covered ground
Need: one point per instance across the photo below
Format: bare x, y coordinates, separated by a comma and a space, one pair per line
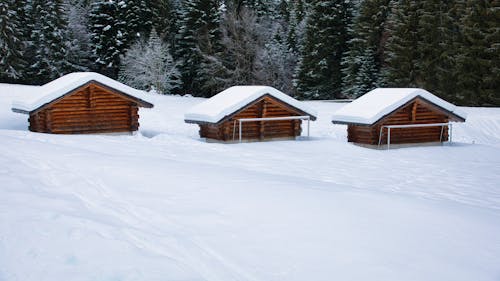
164, 205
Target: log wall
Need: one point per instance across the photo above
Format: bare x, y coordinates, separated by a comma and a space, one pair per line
89, 109
228, 129
416, 112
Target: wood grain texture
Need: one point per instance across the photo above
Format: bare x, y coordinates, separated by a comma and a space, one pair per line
416, 112
89, 109
228, 129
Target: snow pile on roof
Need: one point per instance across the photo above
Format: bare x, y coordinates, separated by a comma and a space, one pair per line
65, 84
230, 100
377, 103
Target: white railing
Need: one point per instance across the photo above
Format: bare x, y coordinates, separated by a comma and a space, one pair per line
242, 120
389, 127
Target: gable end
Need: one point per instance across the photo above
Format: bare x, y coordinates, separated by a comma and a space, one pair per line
114, 91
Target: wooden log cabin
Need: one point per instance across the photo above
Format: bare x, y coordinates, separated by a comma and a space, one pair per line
411, 116
278, 115
83, 103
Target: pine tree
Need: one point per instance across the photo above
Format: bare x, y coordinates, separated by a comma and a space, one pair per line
478, 74
109, 35
261, 8
403, 57
319, 73
199, 47
363, 62
79, 45
244, 35
437, 28
275, 63
296, 26
11, 45
138, 17
163, 18
150, 66
48, 41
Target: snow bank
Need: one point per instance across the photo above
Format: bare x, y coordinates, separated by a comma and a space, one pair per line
377, 103
163, 205
230, 100
44, 94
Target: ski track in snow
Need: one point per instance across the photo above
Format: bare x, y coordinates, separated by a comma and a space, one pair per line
163, 205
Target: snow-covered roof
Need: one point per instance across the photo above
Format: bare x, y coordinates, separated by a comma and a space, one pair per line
374, 105
42, 95
232, 99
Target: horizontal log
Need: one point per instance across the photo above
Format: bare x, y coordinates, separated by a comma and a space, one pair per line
96, 117
119, 130
108, 107
87, 122
88, 125
90, 128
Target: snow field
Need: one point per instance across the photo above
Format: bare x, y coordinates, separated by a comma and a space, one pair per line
163, 205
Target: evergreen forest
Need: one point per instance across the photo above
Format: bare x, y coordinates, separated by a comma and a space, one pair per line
310, 49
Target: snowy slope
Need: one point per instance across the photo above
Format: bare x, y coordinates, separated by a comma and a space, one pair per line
163, 205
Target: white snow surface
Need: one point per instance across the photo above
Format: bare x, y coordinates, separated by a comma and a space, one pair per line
234, 98
164, 205
379, 102
41, 95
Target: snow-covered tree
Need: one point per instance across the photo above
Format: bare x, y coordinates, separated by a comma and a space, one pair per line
478, 60
48, 40
243, 38
363, 62
109, 35
138, 17
79, 44
164, 18
401, 47
199, 47
150, 66
11, 45
319, 74
275, 65
276, 59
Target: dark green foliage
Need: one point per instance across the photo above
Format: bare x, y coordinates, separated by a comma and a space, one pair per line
319, 73
163, 18
401, 48
478, 75
447, 47
363, 63
138, 17
11, 44
198, 46
48, 41
109, 35
330, 48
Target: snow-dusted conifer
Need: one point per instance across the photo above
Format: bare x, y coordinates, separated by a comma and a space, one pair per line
138, 18
319, 73
243, 37
109, 35
79, 44
199, 47
11, 45
275, 63
163, 18
401, 47
363, 62
478, 62
48, 41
